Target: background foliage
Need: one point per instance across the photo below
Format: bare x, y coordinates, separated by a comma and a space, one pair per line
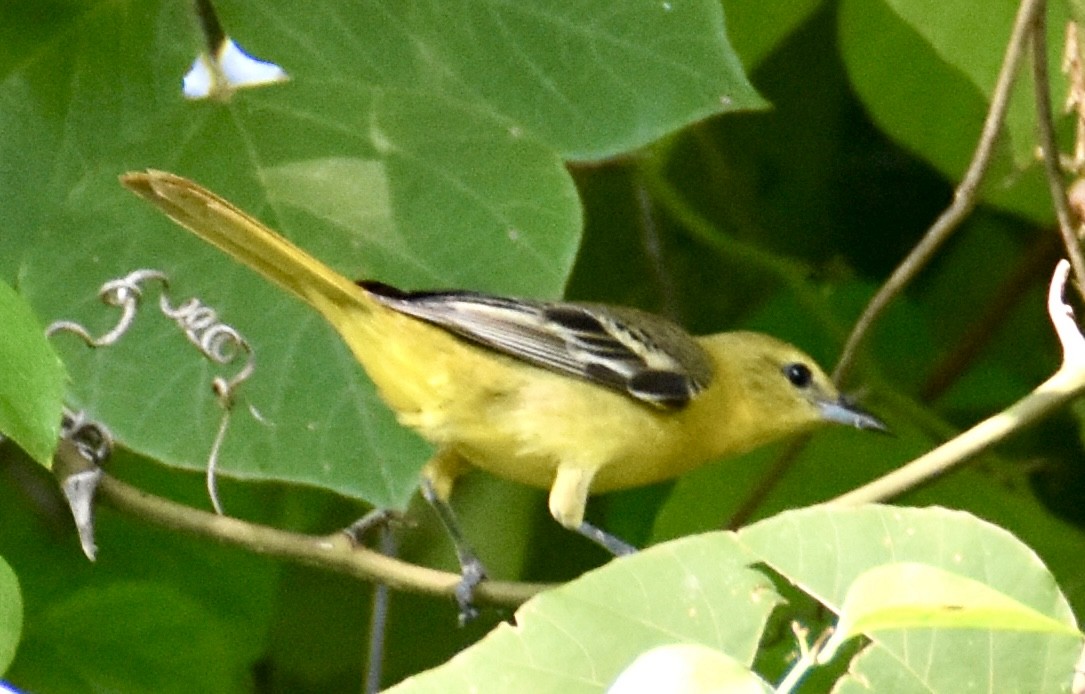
552, 148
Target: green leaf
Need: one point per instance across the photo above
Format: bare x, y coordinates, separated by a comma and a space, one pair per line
687, 668
1007, 621
589, 79
974, 43
11, 614
167, 642
581, 636
421, 147
756, 29
909, 595
936, 107
472, 204
31, 380
824, 551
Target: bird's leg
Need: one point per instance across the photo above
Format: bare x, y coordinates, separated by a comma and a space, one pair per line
569, 497
615, 545
437, 479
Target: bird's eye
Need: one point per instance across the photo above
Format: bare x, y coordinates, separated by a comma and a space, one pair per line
798, 374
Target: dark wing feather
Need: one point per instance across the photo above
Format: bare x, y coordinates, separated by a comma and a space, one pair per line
644, 356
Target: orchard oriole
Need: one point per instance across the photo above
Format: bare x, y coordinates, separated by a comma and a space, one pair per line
577, 398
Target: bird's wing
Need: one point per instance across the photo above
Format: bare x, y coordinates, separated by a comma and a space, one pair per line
644, 356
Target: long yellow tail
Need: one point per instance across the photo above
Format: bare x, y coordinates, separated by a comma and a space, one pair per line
399, 353
246, 239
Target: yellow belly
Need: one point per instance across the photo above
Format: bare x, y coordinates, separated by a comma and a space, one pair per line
515, 420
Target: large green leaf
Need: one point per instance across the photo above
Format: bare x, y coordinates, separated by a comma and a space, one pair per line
933, 94
910, 595
417, 145
580, 637
974, 43
590, 78
687, 668
990, 615
31, 380
825, 551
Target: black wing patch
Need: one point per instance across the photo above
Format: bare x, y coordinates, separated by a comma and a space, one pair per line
642, 355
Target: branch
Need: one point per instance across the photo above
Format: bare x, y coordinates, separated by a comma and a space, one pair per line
334, 552
964, 198
1066, 384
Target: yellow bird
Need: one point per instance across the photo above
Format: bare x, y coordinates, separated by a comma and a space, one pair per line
577, 398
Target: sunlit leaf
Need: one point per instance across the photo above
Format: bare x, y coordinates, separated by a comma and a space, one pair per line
907, 595
580, 637
687, 668
824, 551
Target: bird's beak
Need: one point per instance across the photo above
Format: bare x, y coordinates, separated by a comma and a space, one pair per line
842, 411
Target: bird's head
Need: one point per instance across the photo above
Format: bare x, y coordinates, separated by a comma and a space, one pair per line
781, 389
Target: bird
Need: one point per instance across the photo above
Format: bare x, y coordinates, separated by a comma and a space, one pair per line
578, 398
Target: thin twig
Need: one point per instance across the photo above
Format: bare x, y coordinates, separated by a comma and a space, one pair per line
964, 198
1050, 150
333, 552
1066, 384
650, 242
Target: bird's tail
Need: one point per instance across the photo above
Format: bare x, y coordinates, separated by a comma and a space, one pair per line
246, 239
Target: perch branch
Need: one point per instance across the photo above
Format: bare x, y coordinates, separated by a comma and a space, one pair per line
334, 552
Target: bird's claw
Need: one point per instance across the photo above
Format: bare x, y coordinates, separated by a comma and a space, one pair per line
473, 573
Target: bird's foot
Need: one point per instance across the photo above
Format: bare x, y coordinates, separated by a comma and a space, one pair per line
472, 573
